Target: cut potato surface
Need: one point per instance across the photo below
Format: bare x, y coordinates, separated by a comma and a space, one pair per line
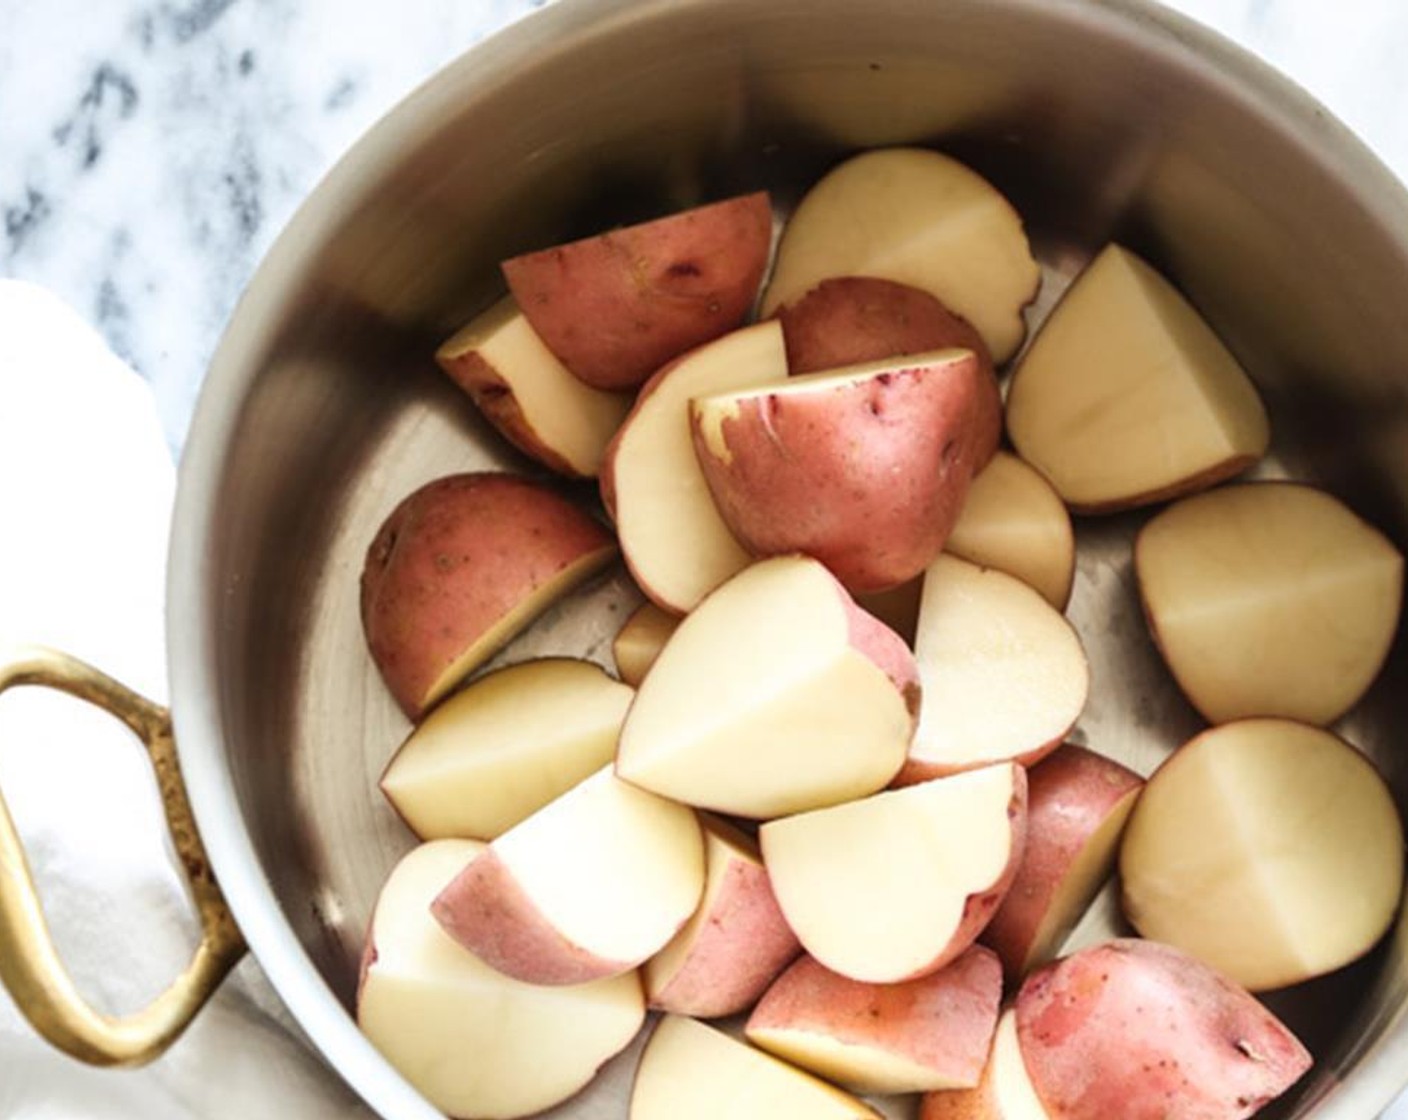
1004, 1093
618, 306
735, 944
1003, 673
639, 641
1015, 522
692, 1072
1269, 599
930, 1033
504, 747
1077, 805
477, 1043
528, 395
1127, 397
674, 541
591, 885
865, 468
1141, 1031
919, 218
1271, 850
777, 694
460, 568
894, 886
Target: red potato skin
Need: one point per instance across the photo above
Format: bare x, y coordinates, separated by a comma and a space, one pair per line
890, 652
1142, 1031
869, 478
944, 1021
1070, 794
485, 910
453, 559
616, 307
744, 945
495, 398
853, 319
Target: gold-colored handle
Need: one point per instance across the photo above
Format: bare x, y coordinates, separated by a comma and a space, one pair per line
30, 966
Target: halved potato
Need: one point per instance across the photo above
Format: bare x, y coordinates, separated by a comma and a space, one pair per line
1004, 675
777, 694
1015, 522
528, 395
920, 218
894, 886
639, 641
505, 746
1269, 599
672, 536
461, 567
616, 307
475, 1042
1272, 850
1127, 397
1004, 1093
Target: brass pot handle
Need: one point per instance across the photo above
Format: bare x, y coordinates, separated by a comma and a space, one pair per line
29, 964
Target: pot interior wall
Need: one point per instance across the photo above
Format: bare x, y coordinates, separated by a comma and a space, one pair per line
1099, 123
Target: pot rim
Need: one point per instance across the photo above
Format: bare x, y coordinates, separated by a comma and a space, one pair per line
193, 602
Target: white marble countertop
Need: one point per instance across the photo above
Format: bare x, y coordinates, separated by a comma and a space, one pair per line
151, 150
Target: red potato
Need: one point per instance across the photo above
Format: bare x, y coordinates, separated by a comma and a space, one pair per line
616, 307
589, 886
528, 395
462, 566
1142, 1031
930, 1033
425, 1004
777, 694
1004, 1093
895, 886
865, 468
675, 543
854, 319
737, 942
921, 218
1077, 805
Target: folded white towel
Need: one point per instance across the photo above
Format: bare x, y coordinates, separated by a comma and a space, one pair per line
86, 484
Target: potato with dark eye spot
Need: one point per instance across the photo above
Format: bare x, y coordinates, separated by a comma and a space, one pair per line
616, 307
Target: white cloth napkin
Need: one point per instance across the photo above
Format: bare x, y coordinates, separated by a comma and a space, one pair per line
86, 485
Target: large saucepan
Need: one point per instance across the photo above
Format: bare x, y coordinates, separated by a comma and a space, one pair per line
323, 407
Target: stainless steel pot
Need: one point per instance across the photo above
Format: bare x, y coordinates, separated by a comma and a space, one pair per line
1100, 118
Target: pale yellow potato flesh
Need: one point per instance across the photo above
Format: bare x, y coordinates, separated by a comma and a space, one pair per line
676, 544
505, 746
1269, 599
473, 1041
614, 869
563, 414
1005, 1092
1015, 522
793, 716
1003, 673
864, 1068
693, 1072
919, 218
875, 889
1271, 850
1128, 397
639, 641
